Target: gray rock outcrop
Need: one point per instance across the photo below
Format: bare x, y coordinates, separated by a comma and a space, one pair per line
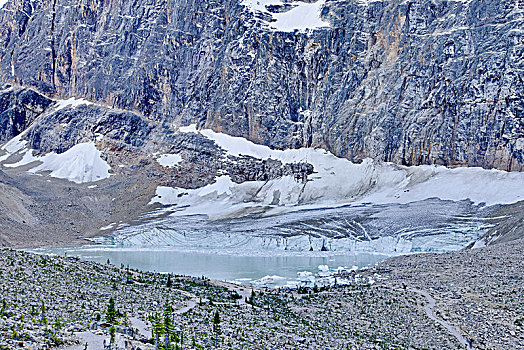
412, 82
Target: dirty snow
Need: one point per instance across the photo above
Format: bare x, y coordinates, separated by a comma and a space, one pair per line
108, 227
26, 159
169, 160
481, 243
14, 145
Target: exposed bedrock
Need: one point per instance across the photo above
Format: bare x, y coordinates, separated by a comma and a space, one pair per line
412, 82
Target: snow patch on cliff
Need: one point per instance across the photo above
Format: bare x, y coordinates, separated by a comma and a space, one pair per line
169, 160
2, 3
13, 146
300, 15
26, 159
16, 144
71, 103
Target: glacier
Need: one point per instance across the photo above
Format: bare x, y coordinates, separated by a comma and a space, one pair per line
372, 207
426, 226
335, 182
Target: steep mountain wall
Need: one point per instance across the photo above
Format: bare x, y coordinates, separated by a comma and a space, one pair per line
412, 82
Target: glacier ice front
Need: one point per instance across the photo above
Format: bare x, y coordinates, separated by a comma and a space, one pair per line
342, 207
426, 226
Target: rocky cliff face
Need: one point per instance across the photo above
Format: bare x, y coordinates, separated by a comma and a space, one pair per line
412, 82
19, 110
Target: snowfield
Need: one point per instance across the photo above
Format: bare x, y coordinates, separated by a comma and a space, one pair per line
71, 103
301, 16
336, 182
80, 164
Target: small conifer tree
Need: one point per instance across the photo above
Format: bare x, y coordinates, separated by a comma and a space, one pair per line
111, 315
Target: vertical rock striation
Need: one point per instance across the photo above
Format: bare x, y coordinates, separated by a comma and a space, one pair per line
411, 82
